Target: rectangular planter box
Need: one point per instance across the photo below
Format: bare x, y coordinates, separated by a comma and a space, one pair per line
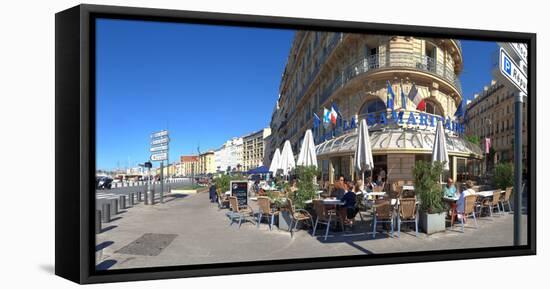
432, 223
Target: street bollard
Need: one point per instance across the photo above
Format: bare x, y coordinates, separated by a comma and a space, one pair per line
122, 202
97, 221
131, 199
114, 206
139, 197
106, 212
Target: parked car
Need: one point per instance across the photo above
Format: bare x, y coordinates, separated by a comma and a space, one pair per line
103, 183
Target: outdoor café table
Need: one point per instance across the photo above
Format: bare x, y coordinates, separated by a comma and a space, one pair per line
452, 203
408, 188
486, 194
335, 203
375, 194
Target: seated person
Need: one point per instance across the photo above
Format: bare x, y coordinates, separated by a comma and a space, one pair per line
460, 202
339, 190
349, 208
369, 185
449, 190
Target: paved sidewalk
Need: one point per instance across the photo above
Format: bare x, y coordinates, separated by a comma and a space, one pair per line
191, 230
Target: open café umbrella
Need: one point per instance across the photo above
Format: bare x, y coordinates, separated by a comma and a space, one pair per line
363, 150
275, 162
287, 159
307, 156
439, 152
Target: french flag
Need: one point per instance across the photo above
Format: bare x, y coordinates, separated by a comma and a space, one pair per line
333, 115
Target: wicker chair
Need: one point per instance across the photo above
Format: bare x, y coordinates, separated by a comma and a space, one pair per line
469, 209
491, 203
324, 216
297, 216
240, 213
383, 214
378, 189
264, 204
396, 190
223, 201
505, 198
408, 213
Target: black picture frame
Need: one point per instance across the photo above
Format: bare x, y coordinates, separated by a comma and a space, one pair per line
75, 143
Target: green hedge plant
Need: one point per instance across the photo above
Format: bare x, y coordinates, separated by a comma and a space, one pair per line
427, 186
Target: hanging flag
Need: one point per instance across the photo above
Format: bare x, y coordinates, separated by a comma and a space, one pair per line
316, 121
390, 96
403, 97
326, 116
487, 145
421, 106
333, 115
459, 111
414, 96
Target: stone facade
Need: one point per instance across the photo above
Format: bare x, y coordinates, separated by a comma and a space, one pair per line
491, 115
254, 148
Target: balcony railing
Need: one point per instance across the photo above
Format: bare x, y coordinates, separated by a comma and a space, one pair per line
397, 60
458, 44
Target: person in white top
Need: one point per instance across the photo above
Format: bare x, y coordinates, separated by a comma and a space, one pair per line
383, 175
460, 202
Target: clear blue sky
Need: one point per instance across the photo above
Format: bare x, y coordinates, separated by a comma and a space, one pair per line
478, 57
204, 83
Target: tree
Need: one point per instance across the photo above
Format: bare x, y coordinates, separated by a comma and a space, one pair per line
504, 175
306, 186
426, 184
474, 139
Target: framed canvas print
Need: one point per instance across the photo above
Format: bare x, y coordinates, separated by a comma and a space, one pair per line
196, 144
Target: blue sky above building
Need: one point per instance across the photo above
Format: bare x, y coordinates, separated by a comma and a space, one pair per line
203, 83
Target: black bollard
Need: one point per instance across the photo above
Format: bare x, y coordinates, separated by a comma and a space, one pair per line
106, 212
139, 197
114, 206
122, 202
97, 221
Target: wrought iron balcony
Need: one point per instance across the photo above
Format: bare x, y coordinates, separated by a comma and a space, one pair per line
392, 60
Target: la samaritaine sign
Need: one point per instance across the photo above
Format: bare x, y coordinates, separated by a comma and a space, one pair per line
405, 119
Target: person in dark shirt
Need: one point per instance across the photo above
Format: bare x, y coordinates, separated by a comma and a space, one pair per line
212, 193
349, 208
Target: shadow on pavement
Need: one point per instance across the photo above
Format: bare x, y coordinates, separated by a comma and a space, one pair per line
103, 245
103, 230
105, 264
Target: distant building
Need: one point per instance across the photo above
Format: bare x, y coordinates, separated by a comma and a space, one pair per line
490, 116
135, 171
229, 156
254, 148
189, 166
207, 163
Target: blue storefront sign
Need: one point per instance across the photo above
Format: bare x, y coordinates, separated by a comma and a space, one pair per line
405, 119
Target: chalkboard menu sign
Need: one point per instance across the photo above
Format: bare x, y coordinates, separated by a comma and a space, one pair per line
239, 189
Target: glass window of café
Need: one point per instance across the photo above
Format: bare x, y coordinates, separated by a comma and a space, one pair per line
372, 106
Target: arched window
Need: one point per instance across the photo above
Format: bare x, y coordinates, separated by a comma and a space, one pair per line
429, 106
373, 106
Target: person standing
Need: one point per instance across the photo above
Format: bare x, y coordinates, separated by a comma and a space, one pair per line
212, 193
382, 175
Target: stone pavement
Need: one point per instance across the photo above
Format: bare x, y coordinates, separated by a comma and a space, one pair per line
188, 229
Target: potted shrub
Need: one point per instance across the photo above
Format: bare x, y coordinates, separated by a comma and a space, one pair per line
504, 176
429, 191
306, 191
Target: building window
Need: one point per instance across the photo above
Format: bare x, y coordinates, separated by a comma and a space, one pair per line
373, 106
429, 106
